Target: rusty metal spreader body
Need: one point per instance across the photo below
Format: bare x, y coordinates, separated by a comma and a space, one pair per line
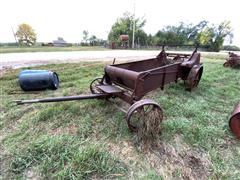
141, 77
232, 61
132, 80
234, 122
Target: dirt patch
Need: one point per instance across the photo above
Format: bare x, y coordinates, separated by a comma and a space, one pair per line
127, 153
178, 161
31, 174
12, 126
2, 152
124, 149
4, 70
4, 158
71, 129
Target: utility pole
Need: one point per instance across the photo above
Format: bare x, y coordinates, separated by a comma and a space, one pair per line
134, 24
14, 35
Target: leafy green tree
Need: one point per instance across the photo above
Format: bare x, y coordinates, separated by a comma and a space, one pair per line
151, 40
205, 37
223, 31
193, 31
93, 40
124, 25
85, 36
203, 34
141, 37
179, 35
26, 35
214, 36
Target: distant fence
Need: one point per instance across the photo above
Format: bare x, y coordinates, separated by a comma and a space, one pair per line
167, 47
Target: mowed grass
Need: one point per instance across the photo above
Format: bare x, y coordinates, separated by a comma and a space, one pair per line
16, 49
90, 139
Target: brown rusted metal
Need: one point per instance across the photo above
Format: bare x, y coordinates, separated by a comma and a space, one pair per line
194, 77
67, 98
93, 85
124, 37
140, 110
110, 89
141, 77
133, 80
232, 61
234, 122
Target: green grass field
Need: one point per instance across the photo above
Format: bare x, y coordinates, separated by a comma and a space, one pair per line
49, 49
90, 139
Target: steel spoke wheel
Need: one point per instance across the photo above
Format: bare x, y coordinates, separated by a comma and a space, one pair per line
145, 116
94, 85
196, 80
226, 64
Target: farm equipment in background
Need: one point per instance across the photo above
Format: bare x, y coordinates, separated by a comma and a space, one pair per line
234, 122
232, 61
131, 81
124, 39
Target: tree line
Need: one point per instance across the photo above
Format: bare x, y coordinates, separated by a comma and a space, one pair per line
26, 36
203, 34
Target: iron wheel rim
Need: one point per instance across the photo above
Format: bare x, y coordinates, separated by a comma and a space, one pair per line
93, 86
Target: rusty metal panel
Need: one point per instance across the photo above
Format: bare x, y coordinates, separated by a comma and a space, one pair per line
122, 77
158, 77
143, 65
234, 122
194, 60
144, 76
110, 89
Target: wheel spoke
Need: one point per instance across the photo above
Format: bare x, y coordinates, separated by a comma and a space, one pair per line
146, 117
93, 86
146, 109
99, 81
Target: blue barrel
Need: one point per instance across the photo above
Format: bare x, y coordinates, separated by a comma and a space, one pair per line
34, 80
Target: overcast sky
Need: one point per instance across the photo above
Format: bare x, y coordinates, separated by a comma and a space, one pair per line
68, 18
